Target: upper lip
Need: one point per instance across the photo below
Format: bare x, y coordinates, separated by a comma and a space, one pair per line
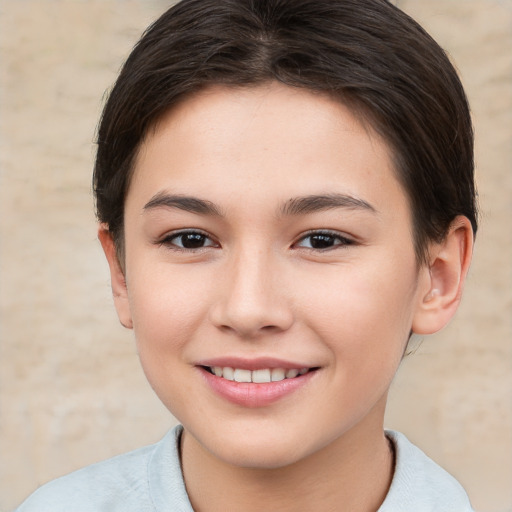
257, 363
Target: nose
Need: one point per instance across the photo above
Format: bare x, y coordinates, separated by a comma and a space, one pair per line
252, 299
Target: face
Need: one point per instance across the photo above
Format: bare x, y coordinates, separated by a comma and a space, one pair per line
268, 241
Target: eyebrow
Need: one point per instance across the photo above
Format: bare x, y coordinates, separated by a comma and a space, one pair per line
187, 203
316, 203
295, 206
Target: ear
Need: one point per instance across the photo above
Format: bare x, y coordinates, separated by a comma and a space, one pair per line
443, 279
119, 289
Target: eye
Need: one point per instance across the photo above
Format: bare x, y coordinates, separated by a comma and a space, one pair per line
323, 240
188, 240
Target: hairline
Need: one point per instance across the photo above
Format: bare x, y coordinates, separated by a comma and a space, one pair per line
362, 112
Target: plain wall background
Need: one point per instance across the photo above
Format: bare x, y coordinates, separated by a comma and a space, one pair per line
71, 390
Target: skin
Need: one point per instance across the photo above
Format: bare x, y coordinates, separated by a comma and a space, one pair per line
259, 286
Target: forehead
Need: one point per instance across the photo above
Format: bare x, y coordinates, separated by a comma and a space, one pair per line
241, 143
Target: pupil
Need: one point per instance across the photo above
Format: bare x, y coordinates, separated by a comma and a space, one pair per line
321, 241
193, 240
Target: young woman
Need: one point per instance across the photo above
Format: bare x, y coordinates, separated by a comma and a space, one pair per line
285, 195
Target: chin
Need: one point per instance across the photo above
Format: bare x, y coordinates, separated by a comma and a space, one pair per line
261, 456
258, 448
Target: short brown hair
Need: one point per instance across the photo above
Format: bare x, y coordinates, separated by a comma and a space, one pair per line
367, 53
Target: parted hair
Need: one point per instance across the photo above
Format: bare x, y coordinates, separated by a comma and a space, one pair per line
367, 53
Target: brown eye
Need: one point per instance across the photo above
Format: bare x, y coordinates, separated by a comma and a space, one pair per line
323, 240
189, 240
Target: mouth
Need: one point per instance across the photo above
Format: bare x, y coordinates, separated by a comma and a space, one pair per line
253, 383
259, 376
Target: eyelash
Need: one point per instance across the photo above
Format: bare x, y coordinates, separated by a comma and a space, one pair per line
342, 241
169, 240
333, 238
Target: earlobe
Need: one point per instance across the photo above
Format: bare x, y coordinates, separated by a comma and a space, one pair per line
444, 278
117, 277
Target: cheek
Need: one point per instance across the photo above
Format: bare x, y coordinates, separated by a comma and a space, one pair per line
167, 305
167, 311
363, 313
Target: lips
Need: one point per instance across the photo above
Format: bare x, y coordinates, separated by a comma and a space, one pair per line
254, 383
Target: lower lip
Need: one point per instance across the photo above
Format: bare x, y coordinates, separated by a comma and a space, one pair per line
249, 394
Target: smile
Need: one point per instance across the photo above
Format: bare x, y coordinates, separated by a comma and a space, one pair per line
259, 386
260, 376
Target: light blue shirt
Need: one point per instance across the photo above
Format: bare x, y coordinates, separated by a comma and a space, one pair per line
150, 480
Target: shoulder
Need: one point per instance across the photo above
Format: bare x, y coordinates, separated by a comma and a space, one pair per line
95, 486
420, 484
124, 483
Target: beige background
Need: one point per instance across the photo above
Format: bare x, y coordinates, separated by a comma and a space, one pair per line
71, 391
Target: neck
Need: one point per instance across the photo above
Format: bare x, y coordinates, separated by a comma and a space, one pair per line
353, 473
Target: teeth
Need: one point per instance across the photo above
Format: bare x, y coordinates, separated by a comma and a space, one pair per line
257, 376
261, 376
243, 376
277, 374
228, 373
